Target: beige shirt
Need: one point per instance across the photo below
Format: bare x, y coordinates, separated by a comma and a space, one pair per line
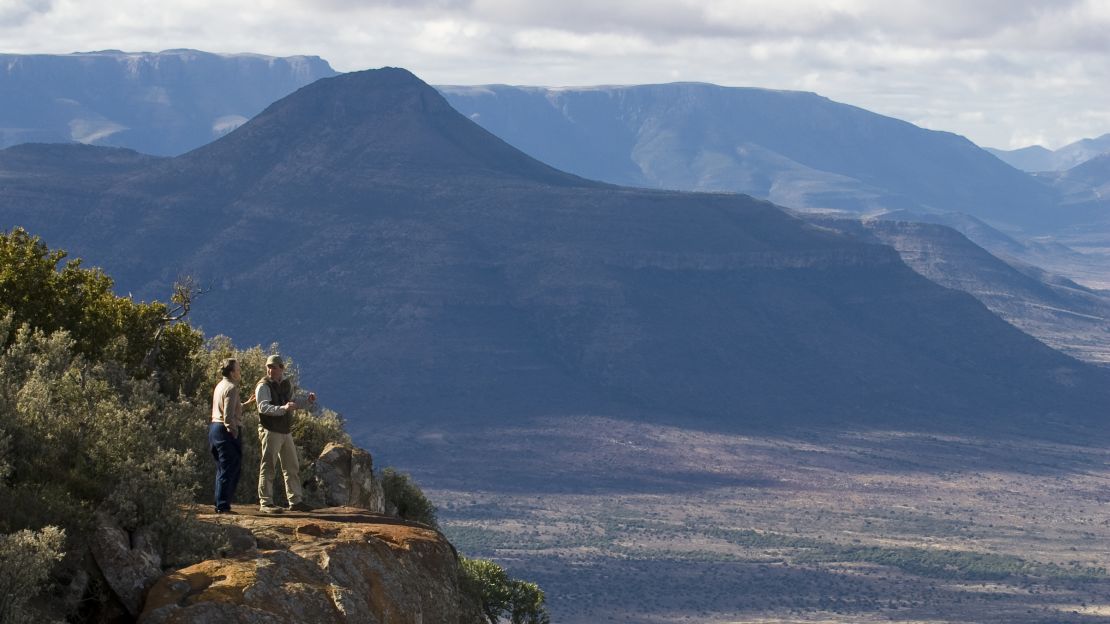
226, 408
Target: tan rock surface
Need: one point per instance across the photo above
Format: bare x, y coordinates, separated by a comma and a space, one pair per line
340, 565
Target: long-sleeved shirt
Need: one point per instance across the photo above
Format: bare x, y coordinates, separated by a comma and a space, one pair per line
226, 408
272, 414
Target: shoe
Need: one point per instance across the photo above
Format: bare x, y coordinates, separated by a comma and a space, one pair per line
299, 507
271, 509
227, 512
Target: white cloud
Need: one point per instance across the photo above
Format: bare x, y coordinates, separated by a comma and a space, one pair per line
1026, 68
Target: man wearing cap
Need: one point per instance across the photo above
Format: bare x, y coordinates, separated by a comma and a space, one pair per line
276, 404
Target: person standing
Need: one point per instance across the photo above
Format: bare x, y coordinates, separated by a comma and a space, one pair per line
276, 404
225, 434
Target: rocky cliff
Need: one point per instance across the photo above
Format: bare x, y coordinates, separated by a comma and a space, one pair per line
349, 560
337, 564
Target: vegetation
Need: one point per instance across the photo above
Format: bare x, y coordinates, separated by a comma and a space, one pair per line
928, 562
38, 290
28, 557
402, 494
500, 596
103, 402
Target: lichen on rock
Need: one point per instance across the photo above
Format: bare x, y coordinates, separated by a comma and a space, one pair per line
341, 565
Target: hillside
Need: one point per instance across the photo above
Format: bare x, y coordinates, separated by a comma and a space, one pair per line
796, 149
1060, 313
429, 273
163, 103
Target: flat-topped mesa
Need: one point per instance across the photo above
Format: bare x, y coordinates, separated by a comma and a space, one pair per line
333, 565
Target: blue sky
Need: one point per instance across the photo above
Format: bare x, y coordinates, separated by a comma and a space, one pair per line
1005, 73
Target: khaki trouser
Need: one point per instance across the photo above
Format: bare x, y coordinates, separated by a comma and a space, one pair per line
278, 447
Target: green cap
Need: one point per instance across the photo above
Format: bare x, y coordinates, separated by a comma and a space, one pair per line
275, 360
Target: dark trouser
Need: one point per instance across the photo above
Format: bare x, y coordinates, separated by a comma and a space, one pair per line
228, 452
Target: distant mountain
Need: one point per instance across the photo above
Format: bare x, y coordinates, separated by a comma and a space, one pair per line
1044, 256
423, 271
796, 149
163, 103
1036, 158
1061, 313
1084, 202
1087, 181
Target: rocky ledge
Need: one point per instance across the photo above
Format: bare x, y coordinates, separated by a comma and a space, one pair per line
337, 564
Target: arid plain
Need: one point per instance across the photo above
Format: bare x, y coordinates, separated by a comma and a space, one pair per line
650, 523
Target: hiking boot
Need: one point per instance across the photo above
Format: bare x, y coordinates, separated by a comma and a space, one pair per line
299, 507
227, 512
271, 509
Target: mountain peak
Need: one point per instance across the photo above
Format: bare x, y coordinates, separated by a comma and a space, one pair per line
369, 127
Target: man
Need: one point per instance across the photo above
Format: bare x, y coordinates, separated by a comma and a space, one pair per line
224, 434
276, 404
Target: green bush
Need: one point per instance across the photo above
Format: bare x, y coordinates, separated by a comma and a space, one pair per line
402, 493
489, 585
38, 290
81, 437
26, 558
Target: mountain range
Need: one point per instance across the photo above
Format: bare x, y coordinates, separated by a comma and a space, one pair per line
1036, 158
163, 103
796, 149
424, 271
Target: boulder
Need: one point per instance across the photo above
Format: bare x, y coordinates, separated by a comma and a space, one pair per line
129, 562
336, 565
343, 476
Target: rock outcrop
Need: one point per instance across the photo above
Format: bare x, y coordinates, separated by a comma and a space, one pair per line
130, 563
344, 477
340, 565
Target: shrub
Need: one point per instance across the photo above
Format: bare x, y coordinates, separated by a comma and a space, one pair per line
487, 583
38, 290
26, 558
402, 493
83, 438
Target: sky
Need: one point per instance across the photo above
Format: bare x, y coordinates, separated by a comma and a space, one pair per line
1004, 73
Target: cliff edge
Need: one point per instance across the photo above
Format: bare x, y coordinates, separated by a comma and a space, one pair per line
337, 564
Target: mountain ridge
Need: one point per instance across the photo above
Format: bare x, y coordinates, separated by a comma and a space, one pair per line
798, 149
162, 103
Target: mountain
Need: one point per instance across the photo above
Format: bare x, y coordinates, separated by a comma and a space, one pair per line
797, 149
1060, 313
1046, 258
423, 271
1086, 182
1036, 158
163, 103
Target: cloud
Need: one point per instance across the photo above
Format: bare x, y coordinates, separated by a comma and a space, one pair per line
17, 12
